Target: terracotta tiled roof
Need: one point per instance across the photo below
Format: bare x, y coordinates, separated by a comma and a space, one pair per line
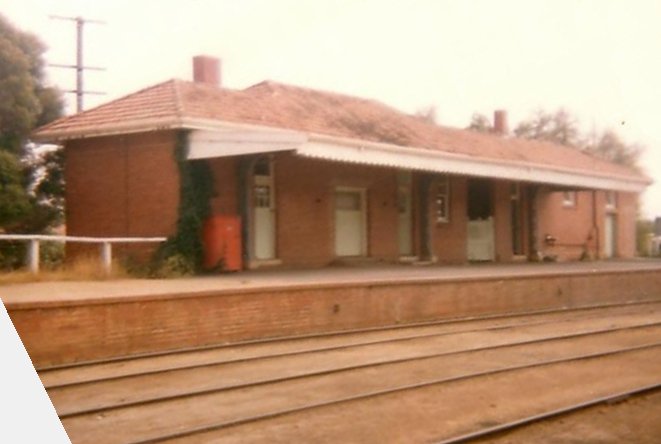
173, 103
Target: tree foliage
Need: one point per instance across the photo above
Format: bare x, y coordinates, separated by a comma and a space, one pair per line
428, 114
558, 127
182, 254
480, 123
611, 147
14, 200
25, 103
31, 184
562, 127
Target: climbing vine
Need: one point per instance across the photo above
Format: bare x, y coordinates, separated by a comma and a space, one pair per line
182, 253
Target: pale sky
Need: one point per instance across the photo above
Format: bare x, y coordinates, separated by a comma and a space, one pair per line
599, 59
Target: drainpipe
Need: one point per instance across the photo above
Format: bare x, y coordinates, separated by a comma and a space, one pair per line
425, 222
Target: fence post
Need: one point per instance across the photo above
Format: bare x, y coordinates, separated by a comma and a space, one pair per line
33, 256
106, 257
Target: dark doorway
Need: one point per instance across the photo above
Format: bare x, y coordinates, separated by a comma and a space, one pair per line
481, 242
480, 199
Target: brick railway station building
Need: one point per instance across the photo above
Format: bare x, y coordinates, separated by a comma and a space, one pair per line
308, 178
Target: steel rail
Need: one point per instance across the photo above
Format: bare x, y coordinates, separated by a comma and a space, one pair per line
519, 423
321, 373
349, 368
364, 396
213, 363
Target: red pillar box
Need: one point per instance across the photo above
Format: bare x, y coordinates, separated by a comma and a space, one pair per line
222, 243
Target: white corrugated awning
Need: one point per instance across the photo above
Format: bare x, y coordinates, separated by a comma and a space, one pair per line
206, 144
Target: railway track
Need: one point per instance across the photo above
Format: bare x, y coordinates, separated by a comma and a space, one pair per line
501, 429
280, 389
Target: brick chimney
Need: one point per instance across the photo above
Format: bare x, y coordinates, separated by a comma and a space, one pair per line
206, 70
500, 122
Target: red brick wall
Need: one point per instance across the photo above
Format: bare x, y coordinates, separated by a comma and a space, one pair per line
305, 188
627, 213
305, 208
502, 221
450, 237
121, 186
573, 225
570, 225
304, 211
304, 191
224, 198
382, 217
128, 186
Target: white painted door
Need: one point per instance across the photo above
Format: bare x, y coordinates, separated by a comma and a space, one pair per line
609, 236
481, 240
405, 224
350, 222
264, 215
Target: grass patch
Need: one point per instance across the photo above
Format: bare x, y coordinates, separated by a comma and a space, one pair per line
81, 269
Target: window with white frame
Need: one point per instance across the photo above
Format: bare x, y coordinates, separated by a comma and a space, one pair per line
569, 198
611, 200
443, 199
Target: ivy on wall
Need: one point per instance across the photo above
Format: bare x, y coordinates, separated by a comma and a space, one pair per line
182, 253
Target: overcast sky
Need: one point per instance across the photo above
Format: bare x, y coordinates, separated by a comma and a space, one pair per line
599, 59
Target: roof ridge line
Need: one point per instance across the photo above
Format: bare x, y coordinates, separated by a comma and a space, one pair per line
327, 92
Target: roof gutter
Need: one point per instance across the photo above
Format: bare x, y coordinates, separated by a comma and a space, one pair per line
113, 129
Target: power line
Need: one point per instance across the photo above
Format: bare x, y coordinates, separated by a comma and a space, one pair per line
79, 66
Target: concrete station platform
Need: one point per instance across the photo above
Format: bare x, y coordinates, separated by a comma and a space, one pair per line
63, 322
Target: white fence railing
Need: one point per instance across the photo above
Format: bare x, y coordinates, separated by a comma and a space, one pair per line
32, 257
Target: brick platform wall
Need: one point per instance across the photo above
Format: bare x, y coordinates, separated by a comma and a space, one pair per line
59, 333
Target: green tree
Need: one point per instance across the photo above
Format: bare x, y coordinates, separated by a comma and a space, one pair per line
611, 147
15, 202
561, 127
25, 103
31, 186
480, 123
558, 127
428, 114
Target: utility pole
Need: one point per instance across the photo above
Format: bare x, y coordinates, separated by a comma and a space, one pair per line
79, 66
